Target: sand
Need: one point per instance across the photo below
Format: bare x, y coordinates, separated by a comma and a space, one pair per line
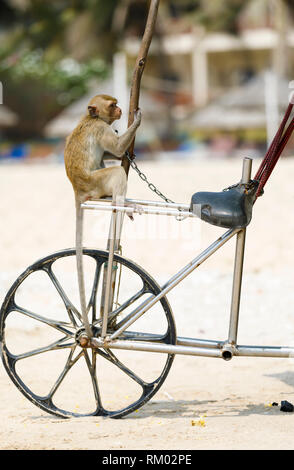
205, 403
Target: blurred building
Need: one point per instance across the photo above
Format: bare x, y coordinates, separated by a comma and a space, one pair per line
196, 79
220, 81
207, 66
246, 106
248, 113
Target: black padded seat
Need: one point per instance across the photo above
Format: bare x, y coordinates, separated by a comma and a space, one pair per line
231, 208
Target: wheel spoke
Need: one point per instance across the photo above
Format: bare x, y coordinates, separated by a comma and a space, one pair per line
132, 314
58, 325
110, 356
59, 344
71, 309
92, 301
126, 304
92, 370
68, 365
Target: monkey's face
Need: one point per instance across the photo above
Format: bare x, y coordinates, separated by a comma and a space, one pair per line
114, 111
105, 107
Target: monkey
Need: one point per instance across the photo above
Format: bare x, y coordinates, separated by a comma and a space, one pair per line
83, 158
85, 148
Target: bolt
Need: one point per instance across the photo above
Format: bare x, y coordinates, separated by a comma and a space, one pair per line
84, 341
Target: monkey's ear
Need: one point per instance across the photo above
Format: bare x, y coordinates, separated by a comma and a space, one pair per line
93, 111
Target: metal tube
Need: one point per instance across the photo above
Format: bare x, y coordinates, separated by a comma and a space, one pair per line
246, 170
156, 347
147, 203
238, 267
245, 351
80, 273
159, 204
206, 343
181, 341
237, 283
148, 303
117, 234
112, 239
264, 351
198, 260
141, 210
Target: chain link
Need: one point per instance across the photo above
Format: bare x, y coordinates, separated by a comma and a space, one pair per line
144, 178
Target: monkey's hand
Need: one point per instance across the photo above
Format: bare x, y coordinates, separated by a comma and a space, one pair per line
138, 117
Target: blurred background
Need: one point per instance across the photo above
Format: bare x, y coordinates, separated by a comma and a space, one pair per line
216, 83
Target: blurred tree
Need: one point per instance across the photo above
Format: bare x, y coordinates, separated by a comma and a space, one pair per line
215, 15
51, 51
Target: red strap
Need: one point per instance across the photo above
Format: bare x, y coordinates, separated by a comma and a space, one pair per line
277, 146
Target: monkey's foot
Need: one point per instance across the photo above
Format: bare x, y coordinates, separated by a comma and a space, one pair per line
136, 208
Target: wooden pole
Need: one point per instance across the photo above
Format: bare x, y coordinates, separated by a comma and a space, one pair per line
134, 104
138, 72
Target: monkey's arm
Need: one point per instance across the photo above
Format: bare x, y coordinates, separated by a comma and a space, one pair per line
117, 145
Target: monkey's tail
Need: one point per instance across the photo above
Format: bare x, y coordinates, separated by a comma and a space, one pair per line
80, 267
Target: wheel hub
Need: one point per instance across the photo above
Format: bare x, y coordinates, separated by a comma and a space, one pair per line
83, 339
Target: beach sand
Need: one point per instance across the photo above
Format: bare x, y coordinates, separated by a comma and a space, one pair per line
205, 403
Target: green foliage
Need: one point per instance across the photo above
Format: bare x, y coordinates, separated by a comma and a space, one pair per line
45, 24
38, 69
67, 77
51, 50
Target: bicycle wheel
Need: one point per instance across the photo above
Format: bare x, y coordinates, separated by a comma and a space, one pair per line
40, 329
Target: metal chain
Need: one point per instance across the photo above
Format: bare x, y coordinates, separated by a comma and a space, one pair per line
144, 178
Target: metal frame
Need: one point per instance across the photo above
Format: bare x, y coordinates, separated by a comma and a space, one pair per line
188, 346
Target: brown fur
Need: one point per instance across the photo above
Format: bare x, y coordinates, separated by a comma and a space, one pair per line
83, 157
85, 147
